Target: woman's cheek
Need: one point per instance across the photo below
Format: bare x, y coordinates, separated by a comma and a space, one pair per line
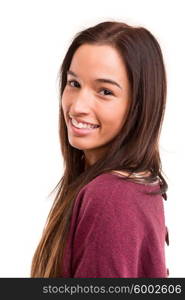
65, 100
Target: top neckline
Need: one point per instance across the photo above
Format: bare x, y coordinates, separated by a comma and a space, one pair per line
136, 175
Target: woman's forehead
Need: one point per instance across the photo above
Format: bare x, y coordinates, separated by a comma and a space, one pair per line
98, 61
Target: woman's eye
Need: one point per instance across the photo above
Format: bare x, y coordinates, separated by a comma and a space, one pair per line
107, 92
70, 83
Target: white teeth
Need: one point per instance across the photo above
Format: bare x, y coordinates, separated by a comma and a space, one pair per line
82, 125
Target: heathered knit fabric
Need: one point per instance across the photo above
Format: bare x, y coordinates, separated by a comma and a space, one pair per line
116, 231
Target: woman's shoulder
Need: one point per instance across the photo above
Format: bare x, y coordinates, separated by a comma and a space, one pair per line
112, 180
108, 195
112, 188
104, 184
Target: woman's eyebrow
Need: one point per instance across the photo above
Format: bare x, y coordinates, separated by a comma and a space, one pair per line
106, 80
72, 73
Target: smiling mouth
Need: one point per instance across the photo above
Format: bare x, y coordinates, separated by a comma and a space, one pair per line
82, 125
81, 129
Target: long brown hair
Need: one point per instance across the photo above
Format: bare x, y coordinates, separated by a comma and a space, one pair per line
134, 149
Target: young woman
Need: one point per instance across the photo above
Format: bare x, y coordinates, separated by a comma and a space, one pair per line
107, 219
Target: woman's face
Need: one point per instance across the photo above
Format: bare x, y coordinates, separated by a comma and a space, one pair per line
97, 92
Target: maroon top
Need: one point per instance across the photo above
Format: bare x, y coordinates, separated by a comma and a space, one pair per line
116, 231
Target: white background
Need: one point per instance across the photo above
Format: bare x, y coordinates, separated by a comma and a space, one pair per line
34, 36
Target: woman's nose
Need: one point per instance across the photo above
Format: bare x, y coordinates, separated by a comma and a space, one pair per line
82, 102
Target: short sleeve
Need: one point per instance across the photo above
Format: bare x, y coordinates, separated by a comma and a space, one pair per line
118, 235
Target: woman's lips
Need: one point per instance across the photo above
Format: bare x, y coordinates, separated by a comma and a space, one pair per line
82, 121
80, 131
